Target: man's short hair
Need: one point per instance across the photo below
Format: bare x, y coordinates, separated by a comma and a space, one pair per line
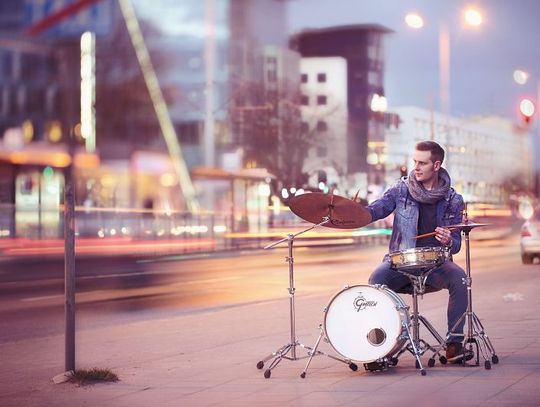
437, 152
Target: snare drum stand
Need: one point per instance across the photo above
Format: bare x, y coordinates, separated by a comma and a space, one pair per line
282, 353
476, 336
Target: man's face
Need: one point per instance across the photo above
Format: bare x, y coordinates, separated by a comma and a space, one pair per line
425, 170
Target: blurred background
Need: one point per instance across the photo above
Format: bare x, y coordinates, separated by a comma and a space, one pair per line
188, 125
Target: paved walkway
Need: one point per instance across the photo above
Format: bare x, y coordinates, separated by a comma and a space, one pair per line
208, 358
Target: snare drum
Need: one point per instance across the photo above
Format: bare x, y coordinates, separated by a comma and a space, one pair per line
418, 257
366, 323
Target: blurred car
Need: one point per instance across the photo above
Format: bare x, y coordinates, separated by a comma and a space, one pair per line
530, 239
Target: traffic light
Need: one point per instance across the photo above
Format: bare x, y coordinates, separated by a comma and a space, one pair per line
526, 109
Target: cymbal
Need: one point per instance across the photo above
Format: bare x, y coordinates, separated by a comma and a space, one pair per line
344, 213
467, 225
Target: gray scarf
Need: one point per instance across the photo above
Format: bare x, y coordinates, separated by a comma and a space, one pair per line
421, 194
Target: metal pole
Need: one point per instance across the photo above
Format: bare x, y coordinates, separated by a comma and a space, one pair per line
416, 325
444, 84
209, 61
444, 68
469, 284
290, 260
536, 147
69, 55
69, 262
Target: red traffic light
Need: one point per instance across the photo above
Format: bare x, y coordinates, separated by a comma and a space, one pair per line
527, 109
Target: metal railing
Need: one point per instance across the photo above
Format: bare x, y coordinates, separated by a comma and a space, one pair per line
158, 232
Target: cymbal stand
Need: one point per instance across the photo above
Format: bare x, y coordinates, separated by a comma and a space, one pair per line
283, 352
476, 336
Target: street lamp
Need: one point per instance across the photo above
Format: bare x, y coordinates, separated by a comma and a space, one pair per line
414, 20
472, 17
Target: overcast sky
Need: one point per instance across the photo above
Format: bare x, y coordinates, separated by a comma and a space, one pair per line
482, 60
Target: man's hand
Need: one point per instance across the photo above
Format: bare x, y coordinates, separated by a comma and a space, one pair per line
443, 235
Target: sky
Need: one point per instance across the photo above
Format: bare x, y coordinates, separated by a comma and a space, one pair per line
482, 60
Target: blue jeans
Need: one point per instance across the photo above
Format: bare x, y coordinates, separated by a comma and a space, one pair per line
449, 276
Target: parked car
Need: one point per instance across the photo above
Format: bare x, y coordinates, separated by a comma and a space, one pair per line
530, 239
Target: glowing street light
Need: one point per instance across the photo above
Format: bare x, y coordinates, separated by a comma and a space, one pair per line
521, 77
414, 20
473, 17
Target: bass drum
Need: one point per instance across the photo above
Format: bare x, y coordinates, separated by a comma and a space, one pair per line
365, 323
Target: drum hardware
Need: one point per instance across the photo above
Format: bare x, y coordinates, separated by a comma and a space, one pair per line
476, 337
282, 352
322, 210
364, 323
418, 346
316, 352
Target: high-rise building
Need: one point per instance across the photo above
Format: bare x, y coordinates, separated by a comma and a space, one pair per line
361, 49
205, 54
29, 85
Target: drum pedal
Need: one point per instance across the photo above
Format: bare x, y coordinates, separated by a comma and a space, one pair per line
377, 366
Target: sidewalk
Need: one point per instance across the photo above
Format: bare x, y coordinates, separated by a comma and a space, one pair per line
208, 358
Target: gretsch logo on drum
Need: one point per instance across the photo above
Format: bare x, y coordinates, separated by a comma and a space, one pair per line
360, 303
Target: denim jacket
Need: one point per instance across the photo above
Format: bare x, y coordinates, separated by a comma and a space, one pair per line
398, 199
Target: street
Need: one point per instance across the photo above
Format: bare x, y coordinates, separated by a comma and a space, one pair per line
115, 290
190, 332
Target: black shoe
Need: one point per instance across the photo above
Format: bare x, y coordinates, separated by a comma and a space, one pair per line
456, 354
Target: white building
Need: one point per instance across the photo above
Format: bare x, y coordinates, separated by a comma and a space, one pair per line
482, 153
324, 114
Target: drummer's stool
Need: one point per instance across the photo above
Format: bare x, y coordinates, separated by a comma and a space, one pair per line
418, 279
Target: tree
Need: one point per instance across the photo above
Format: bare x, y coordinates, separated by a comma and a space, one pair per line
269, 126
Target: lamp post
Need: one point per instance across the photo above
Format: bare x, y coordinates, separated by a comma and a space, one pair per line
472, 17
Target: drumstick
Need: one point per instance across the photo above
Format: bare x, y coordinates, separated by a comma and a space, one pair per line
429, 234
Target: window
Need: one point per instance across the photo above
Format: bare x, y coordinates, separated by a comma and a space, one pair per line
304, 78
321, 100
5, 64
5, 101
21, 99
304, 100
321, 77
51, 100
322, 125
374, 52
35, 100
373, 78
304, 127
271, 75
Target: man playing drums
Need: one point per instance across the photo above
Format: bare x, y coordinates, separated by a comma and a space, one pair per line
425, 202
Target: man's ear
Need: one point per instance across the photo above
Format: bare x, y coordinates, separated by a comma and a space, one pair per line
437, 165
